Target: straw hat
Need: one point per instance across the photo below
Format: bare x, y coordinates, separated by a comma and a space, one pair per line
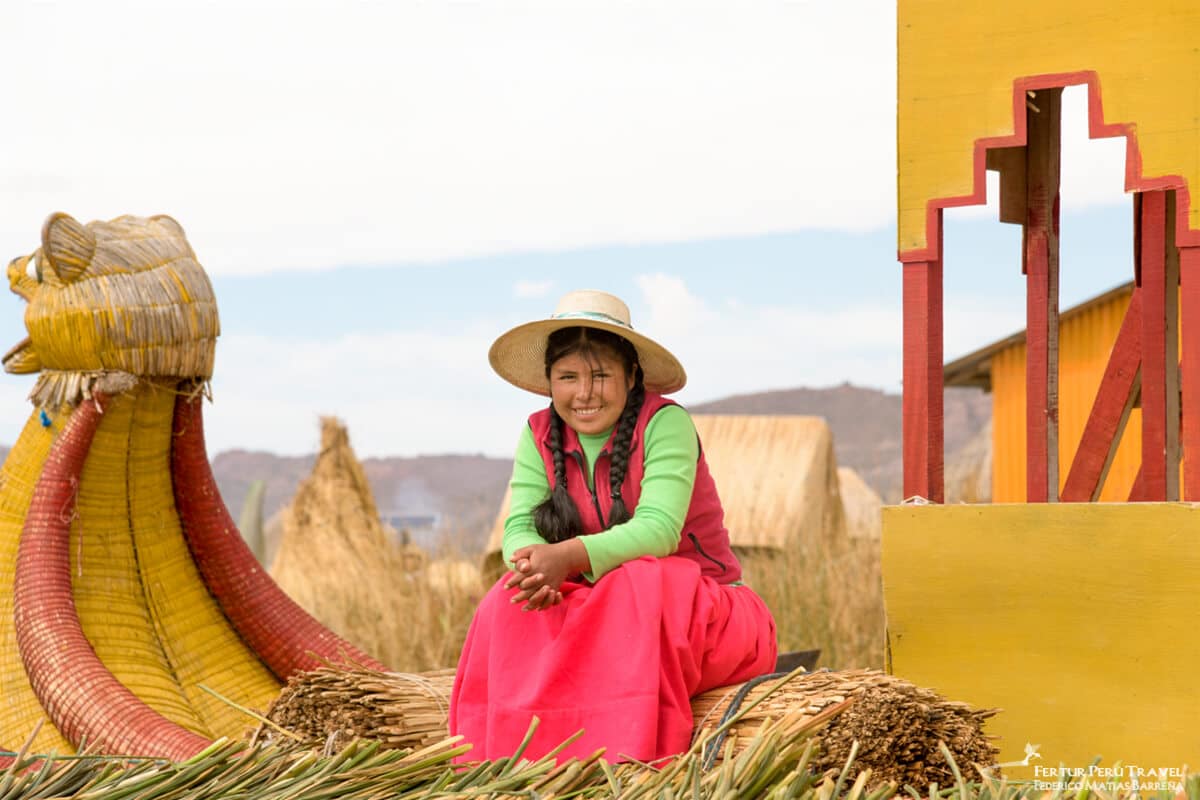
519, 355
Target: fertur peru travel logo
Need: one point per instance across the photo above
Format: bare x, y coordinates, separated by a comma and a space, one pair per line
1118, 777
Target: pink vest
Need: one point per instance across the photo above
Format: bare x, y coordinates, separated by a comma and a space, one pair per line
703, 539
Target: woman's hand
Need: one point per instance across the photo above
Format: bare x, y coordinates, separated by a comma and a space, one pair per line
540, 570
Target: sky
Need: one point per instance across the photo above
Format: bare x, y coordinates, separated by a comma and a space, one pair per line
380, 189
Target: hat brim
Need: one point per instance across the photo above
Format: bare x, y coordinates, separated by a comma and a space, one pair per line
519, 356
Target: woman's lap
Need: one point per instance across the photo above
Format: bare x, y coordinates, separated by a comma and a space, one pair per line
619, 659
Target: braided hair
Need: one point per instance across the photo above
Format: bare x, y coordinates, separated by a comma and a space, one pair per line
556, 518
622, 448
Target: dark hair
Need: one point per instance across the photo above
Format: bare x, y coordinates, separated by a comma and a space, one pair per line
556, 518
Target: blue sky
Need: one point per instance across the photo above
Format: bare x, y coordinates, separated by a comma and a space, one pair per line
379, 190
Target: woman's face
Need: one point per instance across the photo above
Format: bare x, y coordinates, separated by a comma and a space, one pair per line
589, 391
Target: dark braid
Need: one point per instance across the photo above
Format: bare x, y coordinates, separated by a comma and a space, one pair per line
556, 518
622, 448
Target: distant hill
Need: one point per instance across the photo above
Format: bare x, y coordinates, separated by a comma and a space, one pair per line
464, 491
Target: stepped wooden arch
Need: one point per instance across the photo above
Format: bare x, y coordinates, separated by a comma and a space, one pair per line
1145, 357
1164, 73
1058, 611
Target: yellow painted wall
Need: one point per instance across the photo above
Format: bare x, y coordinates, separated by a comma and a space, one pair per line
1078, 620
957, 63
1085, 343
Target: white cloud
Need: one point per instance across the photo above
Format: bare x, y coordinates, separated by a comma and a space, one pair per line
311, 135
737, 347
400, 393
674, 310
532, 289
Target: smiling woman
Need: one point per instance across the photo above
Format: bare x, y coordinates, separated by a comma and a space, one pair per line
616, 541
589, 390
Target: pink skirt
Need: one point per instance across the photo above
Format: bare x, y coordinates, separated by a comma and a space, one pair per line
619, 659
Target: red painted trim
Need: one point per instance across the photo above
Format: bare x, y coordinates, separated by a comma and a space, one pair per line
1037, 361
1103, 424
1040, 265
1135, 181
1152, 223
1189, 321
923, 423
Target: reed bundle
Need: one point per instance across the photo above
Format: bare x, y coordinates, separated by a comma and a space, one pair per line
330, 707
893, 726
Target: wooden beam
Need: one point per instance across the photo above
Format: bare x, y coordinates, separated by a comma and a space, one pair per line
1152, 222
922, 423
1171, 352
1041, 306
1110, 411
1010, 163
1189, 288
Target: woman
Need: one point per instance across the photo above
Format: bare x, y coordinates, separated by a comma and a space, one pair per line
624, 598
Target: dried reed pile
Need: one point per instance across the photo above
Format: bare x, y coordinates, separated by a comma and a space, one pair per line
893, 726
334, 557
330, 707
897, 725
346, 568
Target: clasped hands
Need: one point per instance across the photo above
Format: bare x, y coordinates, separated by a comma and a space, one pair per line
540, 569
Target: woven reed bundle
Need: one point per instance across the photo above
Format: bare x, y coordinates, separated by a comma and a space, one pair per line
125, 295
897, 724
329, 707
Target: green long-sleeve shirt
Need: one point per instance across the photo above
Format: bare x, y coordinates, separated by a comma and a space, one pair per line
671, 450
